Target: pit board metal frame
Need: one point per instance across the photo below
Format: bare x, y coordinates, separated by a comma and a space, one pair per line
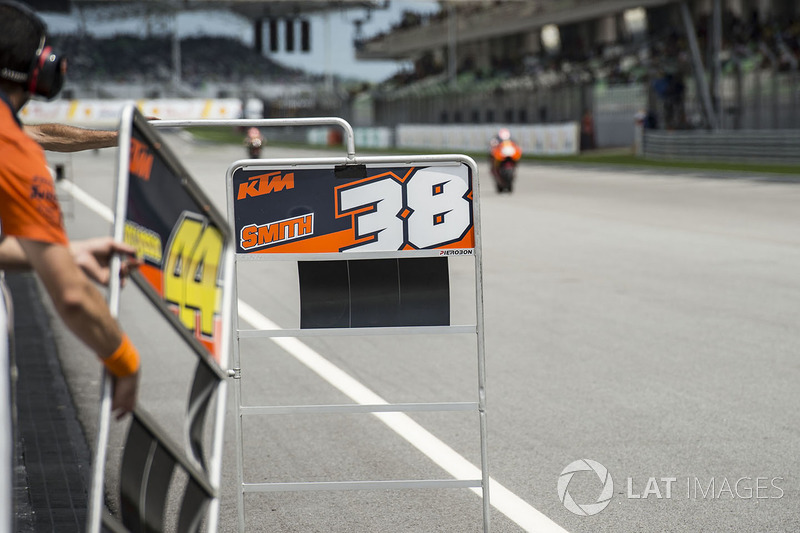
350, 160
342, 163
213, 355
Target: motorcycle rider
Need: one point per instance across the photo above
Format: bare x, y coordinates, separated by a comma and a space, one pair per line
503, 150
503, 134
253, 142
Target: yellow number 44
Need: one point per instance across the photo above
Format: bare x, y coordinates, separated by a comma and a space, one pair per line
191, 271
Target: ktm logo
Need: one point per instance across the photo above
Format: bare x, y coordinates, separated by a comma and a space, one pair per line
265, 184
141, 164
254, 236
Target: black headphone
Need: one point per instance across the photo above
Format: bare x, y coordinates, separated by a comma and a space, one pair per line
45, 76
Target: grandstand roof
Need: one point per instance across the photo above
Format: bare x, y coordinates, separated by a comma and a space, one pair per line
498, 20
248, 8
284, 8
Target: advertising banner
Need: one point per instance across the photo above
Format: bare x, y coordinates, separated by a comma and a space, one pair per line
102, 113
369, 208
536, 139
178, 235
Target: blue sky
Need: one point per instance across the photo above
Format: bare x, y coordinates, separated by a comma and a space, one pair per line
331, 36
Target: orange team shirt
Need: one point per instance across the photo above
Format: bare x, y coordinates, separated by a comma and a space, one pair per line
29, 208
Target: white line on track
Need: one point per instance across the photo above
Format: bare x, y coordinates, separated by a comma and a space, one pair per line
502, 499
88, 200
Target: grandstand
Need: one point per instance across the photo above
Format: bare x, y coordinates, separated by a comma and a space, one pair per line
134, 67
698, 64
159, 65
134, 59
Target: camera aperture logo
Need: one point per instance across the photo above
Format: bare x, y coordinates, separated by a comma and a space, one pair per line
605, 486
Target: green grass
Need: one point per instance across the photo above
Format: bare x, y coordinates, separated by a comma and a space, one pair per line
614, 157
217, 134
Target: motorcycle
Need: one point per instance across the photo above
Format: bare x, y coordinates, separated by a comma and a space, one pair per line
253, 142
504, 157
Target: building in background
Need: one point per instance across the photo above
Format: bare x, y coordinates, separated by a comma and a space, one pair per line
694, 64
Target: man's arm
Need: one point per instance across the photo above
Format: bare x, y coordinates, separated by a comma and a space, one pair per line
64, 138
83, 309
92, 255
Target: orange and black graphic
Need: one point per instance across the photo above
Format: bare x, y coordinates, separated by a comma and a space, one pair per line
43, 197
180, 243
255, 236
265, 184
398, 208
141, 162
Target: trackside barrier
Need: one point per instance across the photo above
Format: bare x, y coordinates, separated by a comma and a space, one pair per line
357, 228
187, 267
746, 146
